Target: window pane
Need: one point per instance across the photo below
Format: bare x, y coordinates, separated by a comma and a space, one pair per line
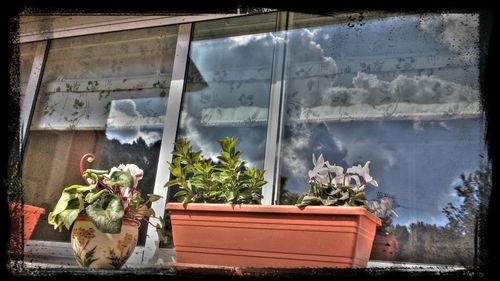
104, 94
399, 91
26, 57
228, 85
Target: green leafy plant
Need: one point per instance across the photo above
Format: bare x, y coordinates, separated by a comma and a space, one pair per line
107, 198
383, 209
202, 180
329, 185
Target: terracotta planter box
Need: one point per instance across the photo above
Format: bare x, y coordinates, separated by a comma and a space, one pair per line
31, 215
272, 236
384, 248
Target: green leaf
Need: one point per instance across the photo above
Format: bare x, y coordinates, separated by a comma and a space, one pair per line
310, 200
120, 179
173, 182
106, 214
162, 235
345, 196
96, 172
154, 197
180, 193
176, 171
329, 202
91, 197
68, 216
68, 194
230, 196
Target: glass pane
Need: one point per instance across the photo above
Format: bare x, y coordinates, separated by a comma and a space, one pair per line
401, 91
228, 85
26, 57
104, 94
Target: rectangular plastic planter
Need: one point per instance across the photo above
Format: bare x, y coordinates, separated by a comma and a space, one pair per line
275, 236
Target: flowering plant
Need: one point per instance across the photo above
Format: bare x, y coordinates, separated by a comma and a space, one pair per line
329, 185
107, 199
383, 210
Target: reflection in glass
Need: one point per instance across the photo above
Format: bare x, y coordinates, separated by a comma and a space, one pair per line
26, 57
104, 94
228, 85
399, 91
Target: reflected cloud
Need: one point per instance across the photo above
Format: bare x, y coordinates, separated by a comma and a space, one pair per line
291, 155
189, 124
127, 124
369, 89
460, 32
358, 152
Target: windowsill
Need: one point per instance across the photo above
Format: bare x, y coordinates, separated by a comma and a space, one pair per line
47, 258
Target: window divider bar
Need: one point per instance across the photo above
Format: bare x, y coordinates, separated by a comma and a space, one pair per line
270, 160
30, 96
168, 138
282, 112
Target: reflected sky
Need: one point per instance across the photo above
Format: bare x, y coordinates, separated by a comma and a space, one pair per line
418, 163
423, 68
233, 75
130, 119
401, 92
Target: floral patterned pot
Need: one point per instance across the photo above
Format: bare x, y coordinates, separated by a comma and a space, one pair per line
94, 249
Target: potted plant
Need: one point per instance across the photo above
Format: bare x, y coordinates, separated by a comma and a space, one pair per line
104, 214
23, 217
385, 244
220, 220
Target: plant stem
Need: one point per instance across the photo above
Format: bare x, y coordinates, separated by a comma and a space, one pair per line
90, 158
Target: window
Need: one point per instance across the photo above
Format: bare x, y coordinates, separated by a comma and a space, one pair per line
26, 57
400, 91
104, 94
228, 85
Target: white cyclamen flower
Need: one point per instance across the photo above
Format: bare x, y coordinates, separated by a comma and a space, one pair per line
320, 172
363, 174
136, 172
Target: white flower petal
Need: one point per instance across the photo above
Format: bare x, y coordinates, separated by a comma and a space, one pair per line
356, 179
321, 160
311, 173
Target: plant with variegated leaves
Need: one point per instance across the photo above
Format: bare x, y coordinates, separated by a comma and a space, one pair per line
329, 185
107, 198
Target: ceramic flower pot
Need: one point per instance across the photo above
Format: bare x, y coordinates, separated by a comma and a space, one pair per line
272, 236
94, 249
22, 230
384, 248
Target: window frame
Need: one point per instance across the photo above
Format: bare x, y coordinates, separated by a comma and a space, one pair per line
147, 255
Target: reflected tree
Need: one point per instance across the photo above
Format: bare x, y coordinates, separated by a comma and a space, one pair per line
458, 242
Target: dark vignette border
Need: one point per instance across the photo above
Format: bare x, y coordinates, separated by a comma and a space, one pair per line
488, 257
